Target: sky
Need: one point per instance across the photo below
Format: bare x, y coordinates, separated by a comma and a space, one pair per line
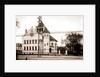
53, 24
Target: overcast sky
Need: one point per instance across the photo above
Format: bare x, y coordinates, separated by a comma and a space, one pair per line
53, 23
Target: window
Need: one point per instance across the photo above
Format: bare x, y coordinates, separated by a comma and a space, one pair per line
35, 47
32, 47
20, 45
40, 29
52, 44
20, 48
27, 41
32, 41
44, 44
47, 44
24, 48
24, 41
27, 47
35, 41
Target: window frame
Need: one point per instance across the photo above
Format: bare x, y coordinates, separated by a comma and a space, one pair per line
24, 47
51, 44
24, 41
35, 47
27, 41
30, 41
27, 48
33, 41
32, 47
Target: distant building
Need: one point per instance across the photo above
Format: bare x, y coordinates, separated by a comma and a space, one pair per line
32, 41
19, 46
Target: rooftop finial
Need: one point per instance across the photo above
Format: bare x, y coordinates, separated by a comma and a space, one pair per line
39, 18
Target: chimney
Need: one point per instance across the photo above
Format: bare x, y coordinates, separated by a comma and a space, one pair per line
25, 30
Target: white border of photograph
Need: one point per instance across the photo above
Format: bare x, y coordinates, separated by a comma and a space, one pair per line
85, 65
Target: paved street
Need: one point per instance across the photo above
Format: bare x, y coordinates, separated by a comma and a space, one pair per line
46, 57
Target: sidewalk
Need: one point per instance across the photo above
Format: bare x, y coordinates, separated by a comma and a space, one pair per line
35, 57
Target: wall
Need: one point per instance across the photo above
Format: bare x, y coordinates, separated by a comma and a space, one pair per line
54, 48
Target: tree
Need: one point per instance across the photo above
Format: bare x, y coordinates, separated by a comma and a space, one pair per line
17, 23
73, 45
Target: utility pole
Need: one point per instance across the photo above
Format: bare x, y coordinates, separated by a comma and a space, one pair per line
42, 44
39, 31
38, 44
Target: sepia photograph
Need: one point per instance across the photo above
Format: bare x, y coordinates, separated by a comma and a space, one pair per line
49, 37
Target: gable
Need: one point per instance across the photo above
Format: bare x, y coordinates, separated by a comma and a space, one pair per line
31, 30
41, 24
53, 39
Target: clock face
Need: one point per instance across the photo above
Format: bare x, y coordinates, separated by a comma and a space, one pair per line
31, 34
